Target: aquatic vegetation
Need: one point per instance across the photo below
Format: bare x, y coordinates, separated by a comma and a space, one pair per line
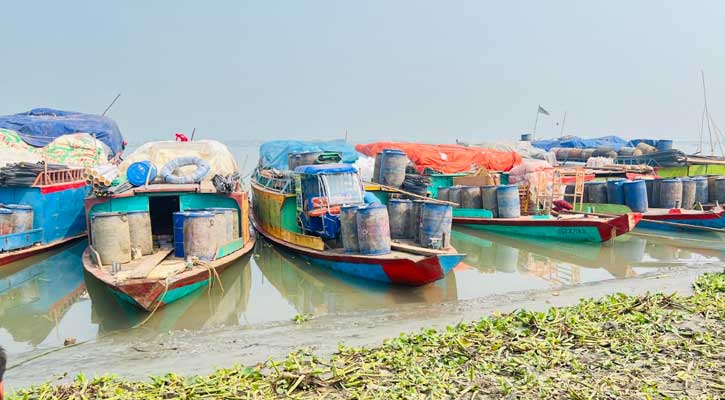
651, 346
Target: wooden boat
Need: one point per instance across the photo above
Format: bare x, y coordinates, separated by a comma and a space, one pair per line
572, 227
56, 197
676, 219
275, 215
159, 278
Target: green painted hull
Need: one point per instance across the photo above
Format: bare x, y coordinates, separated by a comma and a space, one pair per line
564, 233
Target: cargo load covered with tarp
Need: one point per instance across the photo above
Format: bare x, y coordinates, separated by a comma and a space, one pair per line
575, 142
447, 158
41, 126
274, 154
74, 150
220, 159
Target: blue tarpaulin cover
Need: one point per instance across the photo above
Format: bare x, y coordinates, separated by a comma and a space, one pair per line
575, 142
325, 169
40, 126
273, 154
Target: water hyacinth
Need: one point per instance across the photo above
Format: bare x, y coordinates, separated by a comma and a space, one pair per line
618, 347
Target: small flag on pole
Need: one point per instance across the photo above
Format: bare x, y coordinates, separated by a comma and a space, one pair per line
543, 111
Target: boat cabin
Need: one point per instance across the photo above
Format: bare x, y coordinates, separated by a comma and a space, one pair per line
321, 190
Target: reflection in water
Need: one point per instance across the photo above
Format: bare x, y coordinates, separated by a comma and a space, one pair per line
43, 300
315, 290
37, 294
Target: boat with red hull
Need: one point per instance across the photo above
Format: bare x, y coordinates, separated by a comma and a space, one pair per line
300, 212
680, 219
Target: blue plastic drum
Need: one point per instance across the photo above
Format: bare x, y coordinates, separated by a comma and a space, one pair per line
507, 199
635, 195
138, 172
615, 191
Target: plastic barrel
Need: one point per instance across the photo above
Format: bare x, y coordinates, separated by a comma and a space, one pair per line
222, 225
373, 229
392, 168
670, 193
435, 228
648, 185
111, 237
702, 193
400, 212
139, 171
21, 218
664, 144
689, 193
230, 222
635, 195
711, 191
454, 195
720, 190
596, 191
415, 219
6, 222
348, 228
471, 197
587, 154
443, 194
178, 219
615, 191
489, 199
507, 199
200, 235
656, 184
139, 228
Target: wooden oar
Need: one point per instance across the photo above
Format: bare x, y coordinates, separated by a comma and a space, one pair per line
675, 224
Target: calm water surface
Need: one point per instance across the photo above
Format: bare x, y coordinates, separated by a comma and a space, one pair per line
46, 299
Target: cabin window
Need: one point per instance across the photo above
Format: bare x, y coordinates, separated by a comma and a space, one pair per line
161, 210
343, 188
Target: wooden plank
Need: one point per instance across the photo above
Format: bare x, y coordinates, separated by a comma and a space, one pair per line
409, 248
144, 268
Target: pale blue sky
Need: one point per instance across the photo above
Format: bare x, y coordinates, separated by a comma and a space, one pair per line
408, 70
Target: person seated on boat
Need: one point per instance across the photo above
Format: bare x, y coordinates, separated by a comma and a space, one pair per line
3, 363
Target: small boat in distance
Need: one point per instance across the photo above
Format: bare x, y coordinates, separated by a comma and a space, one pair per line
155, 243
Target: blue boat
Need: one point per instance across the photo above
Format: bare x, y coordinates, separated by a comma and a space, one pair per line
41, 204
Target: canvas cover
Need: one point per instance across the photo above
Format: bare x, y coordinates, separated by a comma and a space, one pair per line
221, 161
575, 142
273, 154
75, 150
447, 158
41, 126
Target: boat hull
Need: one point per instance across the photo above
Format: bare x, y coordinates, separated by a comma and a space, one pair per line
708, 219
412, 271
17, 255
578, 230
151, 294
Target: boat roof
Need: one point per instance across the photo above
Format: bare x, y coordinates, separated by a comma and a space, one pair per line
326, 169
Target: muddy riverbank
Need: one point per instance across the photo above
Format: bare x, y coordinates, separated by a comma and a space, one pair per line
144, 352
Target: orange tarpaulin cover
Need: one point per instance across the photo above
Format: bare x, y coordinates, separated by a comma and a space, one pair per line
447, 158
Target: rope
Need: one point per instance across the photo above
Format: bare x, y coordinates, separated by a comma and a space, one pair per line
158, 304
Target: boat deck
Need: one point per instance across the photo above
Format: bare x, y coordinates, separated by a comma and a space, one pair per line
160, 264
401, 249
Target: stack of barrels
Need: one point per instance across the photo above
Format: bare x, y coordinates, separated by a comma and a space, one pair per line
200, 232
503, 201
370, 229
116, 235
15, 218
640, 194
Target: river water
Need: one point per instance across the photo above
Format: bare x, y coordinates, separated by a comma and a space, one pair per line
47, 299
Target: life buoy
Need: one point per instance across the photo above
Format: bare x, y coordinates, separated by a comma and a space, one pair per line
168, 171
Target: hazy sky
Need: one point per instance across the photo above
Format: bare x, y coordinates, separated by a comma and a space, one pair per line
408, 70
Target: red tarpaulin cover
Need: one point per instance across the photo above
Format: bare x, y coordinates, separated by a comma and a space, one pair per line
447, 158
